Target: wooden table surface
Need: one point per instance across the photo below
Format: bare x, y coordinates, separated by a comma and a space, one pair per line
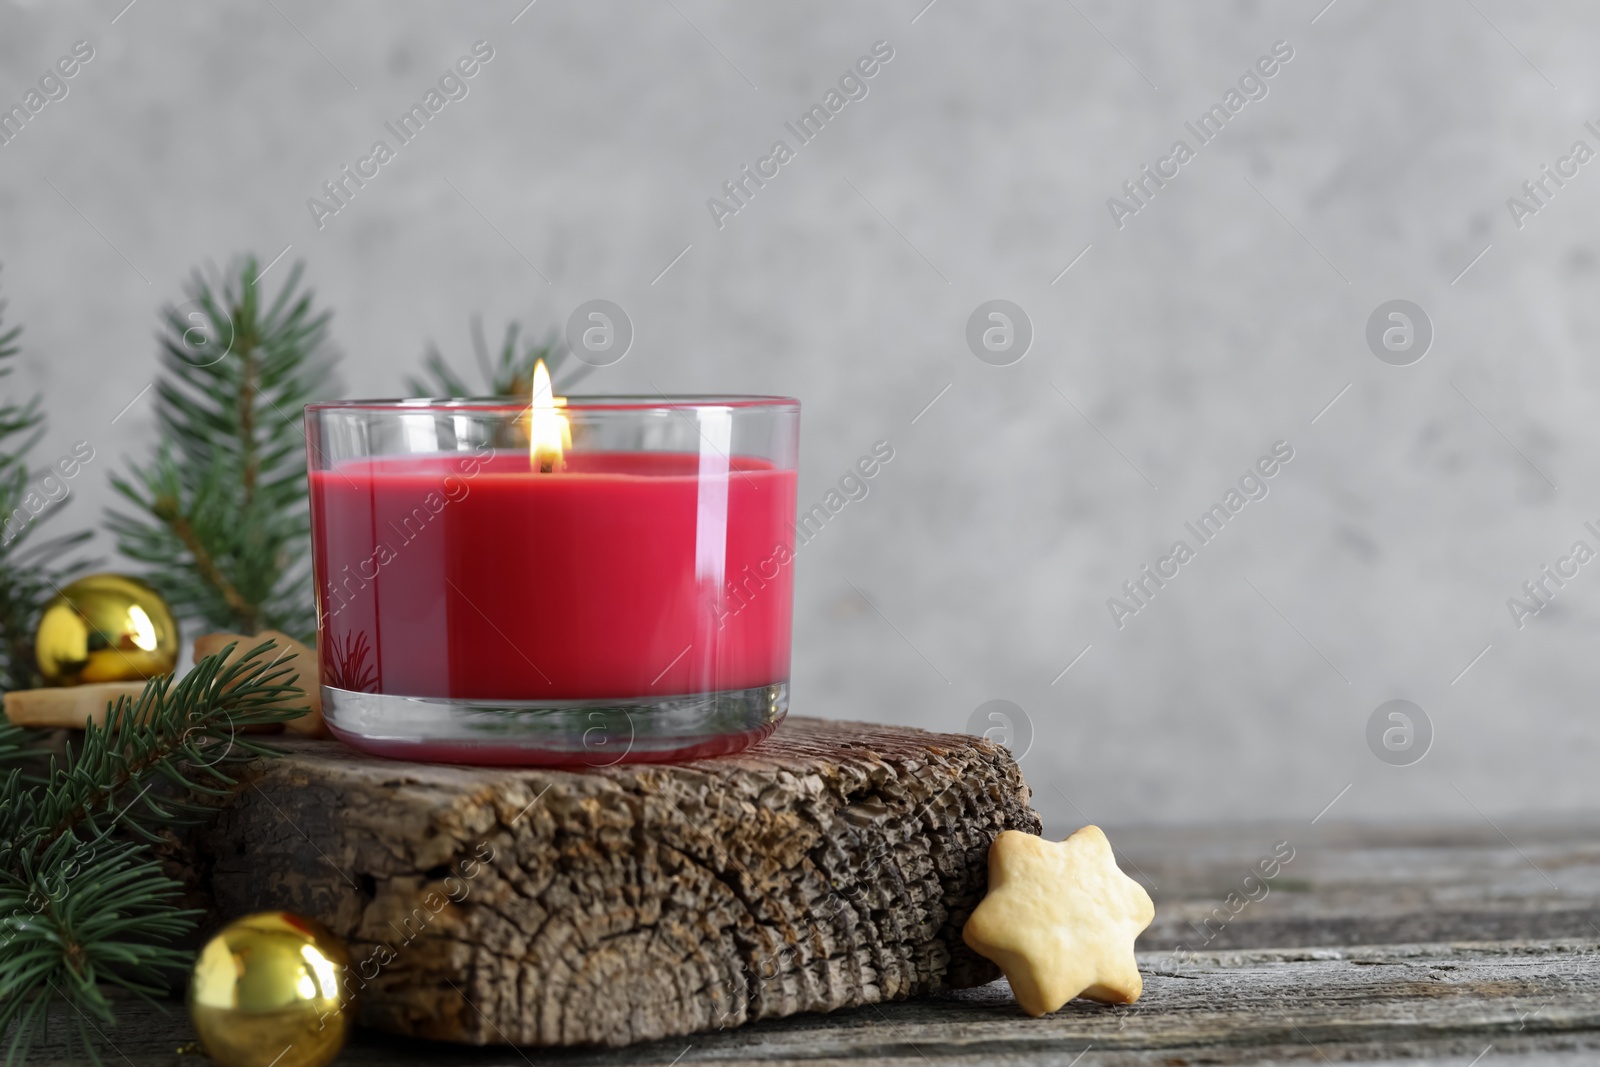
1453, 944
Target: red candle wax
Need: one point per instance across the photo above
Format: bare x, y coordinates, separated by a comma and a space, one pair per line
625, 574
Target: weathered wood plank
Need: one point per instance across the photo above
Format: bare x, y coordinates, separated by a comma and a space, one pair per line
1534, 1003
830, 867
1365, 884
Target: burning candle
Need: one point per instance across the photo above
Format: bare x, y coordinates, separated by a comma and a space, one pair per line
564, 581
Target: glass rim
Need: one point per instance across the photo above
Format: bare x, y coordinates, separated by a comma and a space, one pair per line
618, 402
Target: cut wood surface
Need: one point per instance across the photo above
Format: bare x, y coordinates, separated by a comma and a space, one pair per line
830, 867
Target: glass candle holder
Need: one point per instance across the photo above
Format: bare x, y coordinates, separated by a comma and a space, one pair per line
579, 581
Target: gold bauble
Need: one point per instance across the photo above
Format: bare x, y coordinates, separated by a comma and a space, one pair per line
271, 989
105, 628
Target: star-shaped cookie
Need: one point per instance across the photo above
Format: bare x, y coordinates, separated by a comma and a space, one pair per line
1060, 919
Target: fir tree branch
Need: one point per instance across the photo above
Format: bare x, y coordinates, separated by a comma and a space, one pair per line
511, 375
89, 915
188, 732
83, 904
220, 514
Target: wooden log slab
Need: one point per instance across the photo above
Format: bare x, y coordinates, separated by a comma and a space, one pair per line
829, 867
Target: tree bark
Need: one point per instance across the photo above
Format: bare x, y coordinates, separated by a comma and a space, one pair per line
832, 866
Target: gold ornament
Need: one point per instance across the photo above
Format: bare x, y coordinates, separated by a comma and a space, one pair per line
270, 991
105, 628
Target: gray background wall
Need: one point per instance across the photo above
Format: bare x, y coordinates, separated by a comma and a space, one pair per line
1178, 349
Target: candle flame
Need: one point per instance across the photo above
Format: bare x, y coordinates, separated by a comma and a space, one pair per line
548, 432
